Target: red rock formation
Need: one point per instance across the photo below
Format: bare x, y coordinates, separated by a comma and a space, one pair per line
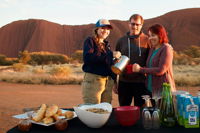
41, 35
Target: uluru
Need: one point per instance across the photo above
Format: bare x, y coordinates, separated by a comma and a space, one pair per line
42, 35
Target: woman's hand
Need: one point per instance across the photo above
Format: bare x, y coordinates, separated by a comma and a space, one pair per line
116, 54
136, 68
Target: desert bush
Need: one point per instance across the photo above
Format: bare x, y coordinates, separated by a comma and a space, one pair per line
184, 59
4, 61
24, 57
28, 77
190, 56
43, 58
11, 61
187, 75
61, 71
19, 67
181, 59
61, 81
197, 61
38, 71
78, 56
193, 51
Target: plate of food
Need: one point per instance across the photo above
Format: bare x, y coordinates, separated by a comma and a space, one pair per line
47, 115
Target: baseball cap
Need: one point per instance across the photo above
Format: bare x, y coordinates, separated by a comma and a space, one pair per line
103, 23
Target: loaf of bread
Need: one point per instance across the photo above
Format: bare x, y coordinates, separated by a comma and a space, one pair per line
40, 113
51, 110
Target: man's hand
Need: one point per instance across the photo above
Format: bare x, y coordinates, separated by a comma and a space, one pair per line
136, 68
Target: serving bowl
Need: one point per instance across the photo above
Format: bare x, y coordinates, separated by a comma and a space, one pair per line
91, 119
127, 115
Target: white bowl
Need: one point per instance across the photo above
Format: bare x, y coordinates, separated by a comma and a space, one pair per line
93, 120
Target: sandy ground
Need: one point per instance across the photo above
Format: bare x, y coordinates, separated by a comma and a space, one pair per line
15, 97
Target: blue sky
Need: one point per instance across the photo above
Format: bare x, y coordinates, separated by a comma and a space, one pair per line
77, 12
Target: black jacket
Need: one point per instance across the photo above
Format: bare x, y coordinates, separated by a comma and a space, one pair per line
139, 49
97, 62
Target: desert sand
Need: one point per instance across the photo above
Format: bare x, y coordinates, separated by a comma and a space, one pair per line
15, 97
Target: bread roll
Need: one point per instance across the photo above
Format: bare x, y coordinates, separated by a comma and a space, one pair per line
56, 117
59, 112
51, 111
69, 114
47, 120
40, 114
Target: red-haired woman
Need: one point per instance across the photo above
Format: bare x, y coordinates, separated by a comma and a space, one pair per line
159, 62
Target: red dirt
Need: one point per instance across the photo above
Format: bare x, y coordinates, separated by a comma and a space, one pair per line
15, 97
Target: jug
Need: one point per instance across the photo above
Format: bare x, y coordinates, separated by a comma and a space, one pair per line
118, 67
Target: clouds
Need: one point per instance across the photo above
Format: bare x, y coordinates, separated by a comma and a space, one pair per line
74, 12
112, 2
7, 3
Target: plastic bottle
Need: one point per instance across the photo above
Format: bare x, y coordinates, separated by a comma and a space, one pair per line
155, 119
146, 113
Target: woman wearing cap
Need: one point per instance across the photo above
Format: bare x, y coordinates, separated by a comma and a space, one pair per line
159, 61
98, 79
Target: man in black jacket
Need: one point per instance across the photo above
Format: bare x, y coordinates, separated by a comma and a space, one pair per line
134, 45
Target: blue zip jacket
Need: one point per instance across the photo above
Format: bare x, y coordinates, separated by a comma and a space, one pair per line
97, 62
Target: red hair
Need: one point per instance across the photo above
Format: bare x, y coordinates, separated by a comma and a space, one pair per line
160, 31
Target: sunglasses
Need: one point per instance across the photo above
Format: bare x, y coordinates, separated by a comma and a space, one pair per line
135, 24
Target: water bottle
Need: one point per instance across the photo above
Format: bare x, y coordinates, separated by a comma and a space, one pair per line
155, 119
146, 113
147, 120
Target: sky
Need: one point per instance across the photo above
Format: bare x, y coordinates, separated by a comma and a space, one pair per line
78, 12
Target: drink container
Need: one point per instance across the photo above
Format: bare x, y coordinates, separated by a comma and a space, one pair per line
198, 95
167, 113
191, 112
146, 113
156, 119
176, 95
180, 110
